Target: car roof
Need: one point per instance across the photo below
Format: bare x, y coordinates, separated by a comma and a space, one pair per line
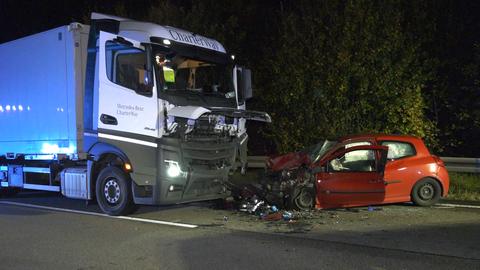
420, 146
380, 137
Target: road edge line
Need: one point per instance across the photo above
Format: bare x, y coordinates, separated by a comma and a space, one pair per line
458, 205
144, 220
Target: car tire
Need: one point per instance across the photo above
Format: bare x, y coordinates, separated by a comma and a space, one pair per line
426, 192
302, 198
114, 193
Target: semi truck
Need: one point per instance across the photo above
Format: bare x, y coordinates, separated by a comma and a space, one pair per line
123, 112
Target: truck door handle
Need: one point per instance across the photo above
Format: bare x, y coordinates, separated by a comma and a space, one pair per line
108, 119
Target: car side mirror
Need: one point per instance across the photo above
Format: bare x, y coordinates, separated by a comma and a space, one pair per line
319, 169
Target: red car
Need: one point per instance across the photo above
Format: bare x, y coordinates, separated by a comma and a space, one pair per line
356, 171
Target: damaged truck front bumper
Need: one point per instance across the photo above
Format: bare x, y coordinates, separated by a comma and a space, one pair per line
189, 171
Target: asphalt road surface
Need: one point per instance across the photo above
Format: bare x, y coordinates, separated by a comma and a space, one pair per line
389, 237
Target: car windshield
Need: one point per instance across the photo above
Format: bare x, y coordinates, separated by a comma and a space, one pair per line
176, 72
316, 151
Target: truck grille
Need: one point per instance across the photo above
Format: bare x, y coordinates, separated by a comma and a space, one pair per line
209, 155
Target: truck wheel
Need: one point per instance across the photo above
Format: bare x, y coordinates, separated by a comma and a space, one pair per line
302, 198
426, 192
113, 190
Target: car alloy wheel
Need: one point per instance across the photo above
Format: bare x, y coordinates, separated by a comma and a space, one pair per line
303, 198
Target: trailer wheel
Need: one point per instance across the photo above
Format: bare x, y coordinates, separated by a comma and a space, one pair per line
113, 190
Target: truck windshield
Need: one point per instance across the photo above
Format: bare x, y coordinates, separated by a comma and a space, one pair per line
176, 72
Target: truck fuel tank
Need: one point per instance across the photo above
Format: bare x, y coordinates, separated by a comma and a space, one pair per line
75, 184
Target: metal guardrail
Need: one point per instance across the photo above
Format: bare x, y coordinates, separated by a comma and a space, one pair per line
454, 164
460, 164
256, 161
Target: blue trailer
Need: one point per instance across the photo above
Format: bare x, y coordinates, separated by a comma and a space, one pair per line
41, 93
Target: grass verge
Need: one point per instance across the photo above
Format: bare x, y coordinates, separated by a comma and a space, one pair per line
464, 186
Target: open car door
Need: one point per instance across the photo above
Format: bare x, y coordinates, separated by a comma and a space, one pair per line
352, 177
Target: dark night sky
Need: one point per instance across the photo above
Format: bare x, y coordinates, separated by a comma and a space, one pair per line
23, 17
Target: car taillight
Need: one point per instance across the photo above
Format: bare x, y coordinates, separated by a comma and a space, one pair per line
439, 161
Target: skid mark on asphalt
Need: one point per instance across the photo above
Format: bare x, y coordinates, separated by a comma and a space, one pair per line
151, 221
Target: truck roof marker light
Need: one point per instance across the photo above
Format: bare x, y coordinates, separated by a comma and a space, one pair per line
7, 108
28, 108
167, 42
1, 108
20, 108
14, 108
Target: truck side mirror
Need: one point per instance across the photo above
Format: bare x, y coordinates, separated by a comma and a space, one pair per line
244, 84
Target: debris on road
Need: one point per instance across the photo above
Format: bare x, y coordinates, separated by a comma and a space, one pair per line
287, 216
272, 217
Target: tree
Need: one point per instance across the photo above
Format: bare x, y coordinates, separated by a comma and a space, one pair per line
344, 67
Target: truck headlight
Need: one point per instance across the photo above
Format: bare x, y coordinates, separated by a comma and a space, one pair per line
173, 169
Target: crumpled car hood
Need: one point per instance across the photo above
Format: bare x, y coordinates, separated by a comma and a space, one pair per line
287, 161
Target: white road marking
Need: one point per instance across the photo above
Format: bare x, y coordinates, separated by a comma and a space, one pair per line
458, 205
144, 220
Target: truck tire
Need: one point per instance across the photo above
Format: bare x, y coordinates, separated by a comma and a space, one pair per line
426, 192
114, 193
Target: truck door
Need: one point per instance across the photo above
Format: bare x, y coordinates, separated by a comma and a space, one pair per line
353, 177
127, 99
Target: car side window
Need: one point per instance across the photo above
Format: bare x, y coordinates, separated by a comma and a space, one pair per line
398, 150
354, 161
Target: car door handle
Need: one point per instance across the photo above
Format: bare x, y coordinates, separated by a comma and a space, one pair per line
108, 119
373, 181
